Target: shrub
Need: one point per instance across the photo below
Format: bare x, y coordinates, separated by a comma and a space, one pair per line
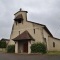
38, 48
3, 44
11, 49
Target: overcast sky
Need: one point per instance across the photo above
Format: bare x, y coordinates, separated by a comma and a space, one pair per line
41, 11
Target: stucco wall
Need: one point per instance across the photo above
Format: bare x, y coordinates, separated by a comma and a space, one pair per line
45, 36
57, 44
38, 33
30, 28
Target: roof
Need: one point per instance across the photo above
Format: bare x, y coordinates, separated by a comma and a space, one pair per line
19, 16
55, 38
24, 36
44, 26
3, 39
47, 30
20, 11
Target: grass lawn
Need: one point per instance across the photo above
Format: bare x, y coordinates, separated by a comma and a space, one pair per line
53, 52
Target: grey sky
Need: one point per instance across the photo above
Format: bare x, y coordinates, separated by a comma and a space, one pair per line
42, 11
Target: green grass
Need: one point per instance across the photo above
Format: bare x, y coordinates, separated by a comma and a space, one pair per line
53, 52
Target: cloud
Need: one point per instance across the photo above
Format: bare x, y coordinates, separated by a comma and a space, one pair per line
2, 9
43, 11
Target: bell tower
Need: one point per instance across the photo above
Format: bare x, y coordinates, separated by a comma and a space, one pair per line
20, 16
19, 21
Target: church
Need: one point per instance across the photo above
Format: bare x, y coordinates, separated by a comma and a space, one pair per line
24, 33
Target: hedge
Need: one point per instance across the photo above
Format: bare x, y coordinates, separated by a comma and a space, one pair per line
11, 49
3, 44
38, 48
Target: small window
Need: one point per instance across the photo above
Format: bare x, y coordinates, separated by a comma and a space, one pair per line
19, 32
34, 31
53, 44
16, 22
44, 39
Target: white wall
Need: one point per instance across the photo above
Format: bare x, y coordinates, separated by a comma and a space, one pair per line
45, 35
57, 44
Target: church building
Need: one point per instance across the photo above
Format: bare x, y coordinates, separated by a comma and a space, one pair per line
24, 33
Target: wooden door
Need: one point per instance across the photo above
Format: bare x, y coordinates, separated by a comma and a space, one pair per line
25, 47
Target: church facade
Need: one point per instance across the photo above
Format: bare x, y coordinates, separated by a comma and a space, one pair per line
24, 33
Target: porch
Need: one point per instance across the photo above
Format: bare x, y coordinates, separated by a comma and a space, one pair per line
23, 42
22, 47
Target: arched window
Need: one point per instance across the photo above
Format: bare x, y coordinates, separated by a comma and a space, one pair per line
53, 44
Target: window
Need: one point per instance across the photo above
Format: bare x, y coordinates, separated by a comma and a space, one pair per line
16, 22
19, 32
34, 31
44, 39
53, 44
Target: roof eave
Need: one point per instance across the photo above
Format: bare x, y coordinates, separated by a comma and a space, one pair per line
20, 11
23, 39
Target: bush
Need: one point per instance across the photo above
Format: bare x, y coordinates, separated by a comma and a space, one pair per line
11, 49
3, 44
38, 48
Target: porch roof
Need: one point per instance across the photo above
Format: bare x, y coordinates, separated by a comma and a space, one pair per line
24, 36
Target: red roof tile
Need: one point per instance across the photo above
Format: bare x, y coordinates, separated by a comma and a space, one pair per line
24, 36
19, 16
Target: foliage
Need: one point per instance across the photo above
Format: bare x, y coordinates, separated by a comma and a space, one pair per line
3, 44
11, 49
38, 48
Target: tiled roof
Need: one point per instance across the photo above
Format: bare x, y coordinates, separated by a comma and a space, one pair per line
19, 16
3, 39
24, 36
20, 11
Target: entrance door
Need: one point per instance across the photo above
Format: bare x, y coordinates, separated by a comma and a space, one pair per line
25, 47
